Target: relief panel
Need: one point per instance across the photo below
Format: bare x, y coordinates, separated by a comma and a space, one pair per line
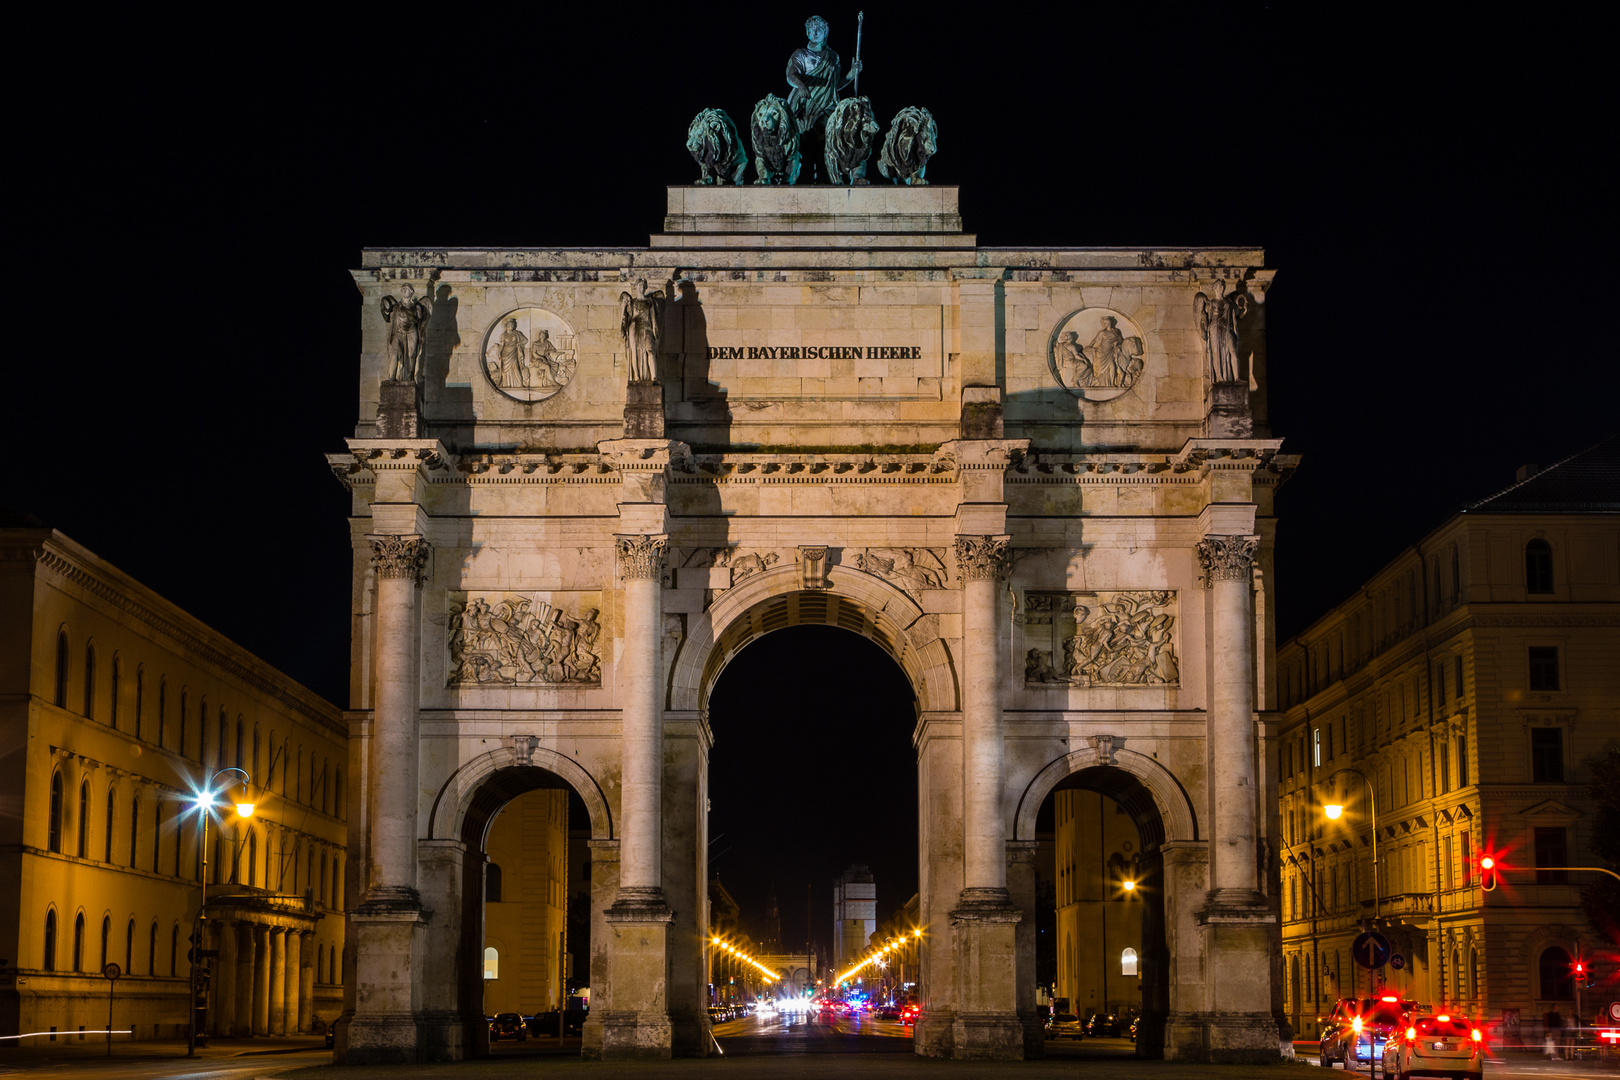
528, 638
1101, 639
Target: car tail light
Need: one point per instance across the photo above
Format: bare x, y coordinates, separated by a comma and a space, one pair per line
1477, 1035
1443, 1018
1411, 1034
1355, 1024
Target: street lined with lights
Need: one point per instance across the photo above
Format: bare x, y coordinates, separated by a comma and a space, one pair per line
770, 976
877, 954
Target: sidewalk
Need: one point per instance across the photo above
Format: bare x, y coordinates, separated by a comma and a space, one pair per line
38, 1051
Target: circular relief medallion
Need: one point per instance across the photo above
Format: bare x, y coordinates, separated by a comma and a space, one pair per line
529, 354
1095, 353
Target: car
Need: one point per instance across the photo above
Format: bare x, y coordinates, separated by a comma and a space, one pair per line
908, 1015
1102, 1025
888, 1012
1064, 1026
1354, 1034
1435, 1044
507, 1025
1135, 1020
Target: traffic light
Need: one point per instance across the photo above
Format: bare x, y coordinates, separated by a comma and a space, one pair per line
1487, 873
1584, 978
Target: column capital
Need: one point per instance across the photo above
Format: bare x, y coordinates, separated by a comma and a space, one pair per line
640, 557
980, 558
1227, 558
399, 556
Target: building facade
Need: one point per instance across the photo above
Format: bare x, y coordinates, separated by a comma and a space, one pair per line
526, 894
854, 913
1099, 919
1040, 479
1455, 701
118, 708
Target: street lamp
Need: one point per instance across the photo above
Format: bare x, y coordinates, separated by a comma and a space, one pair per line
206, 803
1334, 811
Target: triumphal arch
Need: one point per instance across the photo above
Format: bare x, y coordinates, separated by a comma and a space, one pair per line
1041, 479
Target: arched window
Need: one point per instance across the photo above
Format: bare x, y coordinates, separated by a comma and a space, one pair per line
492, 883
337, 793
1473, 974
78, 942
112, 810
1557, 980
157, 837
1127, 962
1456, 575
54, 836
116, 686
134, 828
255, 769
151, 950
326, 790
492, 963
1538, 567
90, 681
332, 965
84, 819
320, 961
140, 697
61, 669
185, 703
337, 884
253, 858
174, 950
163, 708
50, 941
106, 932
129, 948
224, 741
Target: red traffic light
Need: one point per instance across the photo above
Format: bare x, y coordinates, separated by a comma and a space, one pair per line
1486, 862
1487, 873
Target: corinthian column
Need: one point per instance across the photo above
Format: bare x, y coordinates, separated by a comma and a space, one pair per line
984, 855
641, 561
391, 875
1228, 563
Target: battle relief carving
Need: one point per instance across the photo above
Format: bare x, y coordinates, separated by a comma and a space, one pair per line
1096, 353
1101, 639
913, 569
529, 354
512, 638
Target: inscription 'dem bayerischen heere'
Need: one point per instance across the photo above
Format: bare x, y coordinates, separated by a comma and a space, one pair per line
815, 352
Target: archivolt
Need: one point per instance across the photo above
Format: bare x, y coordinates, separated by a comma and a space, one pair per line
1130, 779
501, 776
776, 599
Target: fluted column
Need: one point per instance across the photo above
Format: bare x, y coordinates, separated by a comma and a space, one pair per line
984, 854
640, 561
261, 980
391, 877
1228, 563
306, 983
278, 981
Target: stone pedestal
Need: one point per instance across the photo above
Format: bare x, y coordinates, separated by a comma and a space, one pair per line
1021, 891
604, 887
1239, 1026
1229, 415
981, 413
644, 411
637, 1026
383, 1030
399, 410
986, 1025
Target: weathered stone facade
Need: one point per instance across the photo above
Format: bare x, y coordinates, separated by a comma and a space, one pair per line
860, 418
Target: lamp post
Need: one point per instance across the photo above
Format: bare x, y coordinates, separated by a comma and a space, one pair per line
205, 804
1335, 810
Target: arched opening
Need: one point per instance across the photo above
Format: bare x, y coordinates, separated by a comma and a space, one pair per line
1100, 888
812, 832
84, 819
1557, 974
525, 937
49, 961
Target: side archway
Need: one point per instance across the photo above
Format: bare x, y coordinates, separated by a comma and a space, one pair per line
490, 780
853, 600
1136, 781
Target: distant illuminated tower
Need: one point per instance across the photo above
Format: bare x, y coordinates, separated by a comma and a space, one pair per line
854, 913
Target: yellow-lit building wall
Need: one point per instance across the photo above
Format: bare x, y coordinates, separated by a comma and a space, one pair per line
527, 926
1096, 850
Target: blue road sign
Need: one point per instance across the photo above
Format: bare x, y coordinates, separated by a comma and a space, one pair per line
1397, 961
1371, 950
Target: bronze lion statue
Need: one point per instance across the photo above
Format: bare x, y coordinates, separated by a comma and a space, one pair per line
849, 131
908, 144
714, 144
776, 142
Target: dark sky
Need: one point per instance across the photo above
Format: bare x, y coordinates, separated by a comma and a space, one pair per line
184, 331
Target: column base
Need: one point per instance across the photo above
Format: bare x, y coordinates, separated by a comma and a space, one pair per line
638, 1026
383, 1029
390, 900
636, 1036
934, 1033
443, 1035
996, 1036
1223, 1038
380, 1040
986, 1025
690, 1035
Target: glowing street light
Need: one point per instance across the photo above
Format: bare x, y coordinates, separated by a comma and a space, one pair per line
206, 804
1129, 885
1334, 811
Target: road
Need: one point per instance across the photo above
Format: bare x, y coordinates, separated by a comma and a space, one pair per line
778, 1032
140, 1061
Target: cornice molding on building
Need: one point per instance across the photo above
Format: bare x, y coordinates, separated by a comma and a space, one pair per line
207, 645
1494, 621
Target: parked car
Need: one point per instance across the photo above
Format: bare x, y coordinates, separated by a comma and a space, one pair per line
1102, 1026
888, 1012
1435, 1045
1354, 1035
508, 1025
1064, 1026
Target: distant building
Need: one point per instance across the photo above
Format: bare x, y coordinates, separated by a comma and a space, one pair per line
526, 893
1099, 919
117, 707
1469, 681
854, 913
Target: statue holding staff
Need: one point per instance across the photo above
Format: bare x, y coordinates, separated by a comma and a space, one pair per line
815, 73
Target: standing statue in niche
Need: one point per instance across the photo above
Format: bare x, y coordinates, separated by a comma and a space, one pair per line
814, 72
640, 317
1218, 326
407, 318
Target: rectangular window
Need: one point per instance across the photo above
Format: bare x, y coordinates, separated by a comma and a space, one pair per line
1551, 850
1440, 684
1445, 767
1544, 667
1316, 754
1547, 755
1462, 761
1451, 869
1457, 679
1465, 860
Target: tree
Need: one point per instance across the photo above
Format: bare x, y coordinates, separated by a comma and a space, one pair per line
1601, 899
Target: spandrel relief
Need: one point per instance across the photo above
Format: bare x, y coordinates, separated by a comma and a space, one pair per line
525, 638
1096, 353
529, 354
1101, 639
913, 569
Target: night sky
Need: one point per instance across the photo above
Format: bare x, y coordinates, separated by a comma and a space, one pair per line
184, 332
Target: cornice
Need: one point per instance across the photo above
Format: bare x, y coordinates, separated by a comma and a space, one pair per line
69, 569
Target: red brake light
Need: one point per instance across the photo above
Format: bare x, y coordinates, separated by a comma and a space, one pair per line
1443, 1018
1477, 1035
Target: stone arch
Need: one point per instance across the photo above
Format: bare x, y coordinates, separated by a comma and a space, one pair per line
480, 779
853, 600
1539, 941
1134, 775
